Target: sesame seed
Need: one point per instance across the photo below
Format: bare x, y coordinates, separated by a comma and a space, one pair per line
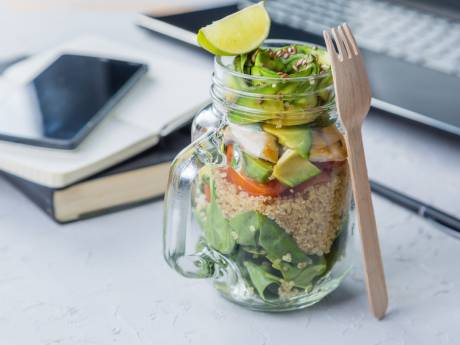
301, 265
287, 257
292, 50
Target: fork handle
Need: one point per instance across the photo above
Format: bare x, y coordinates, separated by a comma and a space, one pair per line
373, 266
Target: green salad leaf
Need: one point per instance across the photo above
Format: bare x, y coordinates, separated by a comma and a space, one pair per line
260, 278
257, 251
217, 231
266, 254
302, 276
247, 226
279, 244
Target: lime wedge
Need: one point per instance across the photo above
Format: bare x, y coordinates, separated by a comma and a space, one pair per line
237, 33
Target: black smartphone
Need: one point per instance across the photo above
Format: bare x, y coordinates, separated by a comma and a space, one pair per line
63, 103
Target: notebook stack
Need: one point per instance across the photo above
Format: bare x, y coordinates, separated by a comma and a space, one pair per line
125, 160
138, 180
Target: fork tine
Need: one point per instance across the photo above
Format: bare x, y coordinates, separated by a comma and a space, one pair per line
350, 38
329, 45
344, 40
339, 43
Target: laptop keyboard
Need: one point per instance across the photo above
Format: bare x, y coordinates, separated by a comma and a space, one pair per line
383, 27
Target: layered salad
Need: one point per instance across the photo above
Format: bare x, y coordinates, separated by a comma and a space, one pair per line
278, 208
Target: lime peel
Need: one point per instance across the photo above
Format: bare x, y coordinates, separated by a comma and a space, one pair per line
238, 33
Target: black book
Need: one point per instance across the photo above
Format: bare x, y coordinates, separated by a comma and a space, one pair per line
136, 181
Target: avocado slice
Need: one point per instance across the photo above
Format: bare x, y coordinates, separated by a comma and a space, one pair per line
256, 169
297, 120
268, 108
292, 169
298, 138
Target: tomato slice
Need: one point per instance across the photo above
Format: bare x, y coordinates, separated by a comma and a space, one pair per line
207, 192
272, 188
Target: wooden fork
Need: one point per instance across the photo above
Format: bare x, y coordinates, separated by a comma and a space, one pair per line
353, 99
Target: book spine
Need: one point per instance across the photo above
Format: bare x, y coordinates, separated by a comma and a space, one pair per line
40, 195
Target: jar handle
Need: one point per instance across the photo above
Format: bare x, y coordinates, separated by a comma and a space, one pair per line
177, 220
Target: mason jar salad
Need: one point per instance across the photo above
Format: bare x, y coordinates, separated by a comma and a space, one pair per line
275, 214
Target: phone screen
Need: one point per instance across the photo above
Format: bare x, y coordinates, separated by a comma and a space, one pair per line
67, 99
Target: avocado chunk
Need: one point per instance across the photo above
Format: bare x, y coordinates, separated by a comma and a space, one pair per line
256, 169
297, 138
292, 169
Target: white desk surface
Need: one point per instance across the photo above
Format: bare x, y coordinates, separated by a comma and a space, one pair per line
104, 281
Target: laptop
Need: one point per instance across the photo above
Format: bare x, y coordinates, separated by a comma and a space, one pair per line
411, 47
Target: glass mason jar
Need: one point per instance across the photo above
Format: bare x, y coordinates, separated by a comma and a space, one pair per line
260, 202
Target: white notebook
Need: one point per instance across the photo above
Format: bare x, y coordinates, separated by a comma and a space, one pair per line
155, 106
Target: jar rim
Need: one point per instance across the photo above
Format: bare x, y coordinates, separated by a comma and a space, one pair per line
219, 63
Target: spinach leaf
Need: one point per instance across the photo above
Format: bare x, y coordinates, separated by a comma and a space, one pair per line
254, 250
302, 277
217, 231
301, 274
260, 278
247, 226
279, 244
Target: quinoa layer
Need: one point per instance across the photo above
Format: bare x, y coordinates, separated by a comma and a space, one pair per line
312, 217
